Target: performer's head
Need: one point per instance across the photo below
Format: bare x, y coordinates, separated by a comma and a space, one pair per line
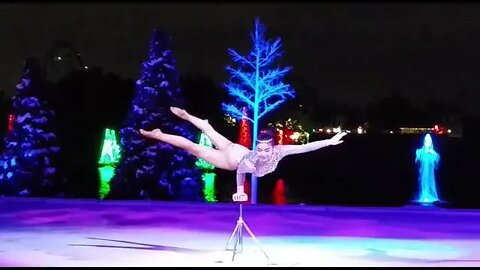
265, 143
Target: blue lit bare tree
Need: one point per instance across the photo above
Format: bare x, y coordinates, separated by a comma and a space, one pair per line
256, 83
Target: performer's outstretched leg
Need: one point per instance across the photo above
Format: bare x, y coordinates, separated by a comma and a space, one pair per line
215, 157
217, 139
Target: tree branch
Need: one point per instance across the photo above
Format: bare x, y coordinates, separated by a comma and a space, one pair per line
279, 89
271, 53
238, 58
241, 75
235, 112
275, 74
271, 107
237, 92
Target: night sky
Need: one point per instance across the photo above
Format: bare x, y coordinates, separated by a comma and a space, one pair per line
349, 53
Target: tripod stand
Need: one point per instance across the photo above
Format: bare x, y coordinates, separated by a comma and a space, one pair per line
238, 235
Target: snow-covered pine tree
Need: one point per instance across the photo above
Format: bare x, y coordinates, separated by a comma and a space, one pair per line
27, 166
150, 169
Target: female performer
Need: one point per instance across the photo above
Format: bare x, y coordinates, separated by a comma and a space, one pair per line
231, 156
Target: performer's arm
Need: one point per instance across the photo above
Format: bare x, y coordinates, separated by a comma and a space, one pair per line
298, 149
240, 195
240, 181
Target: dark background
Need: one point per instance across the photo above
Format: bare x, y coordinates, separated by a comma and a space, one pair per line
388, 65
373, 170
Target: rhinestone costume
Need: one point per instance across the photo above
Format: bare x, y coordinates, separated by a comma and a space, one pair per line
263, 169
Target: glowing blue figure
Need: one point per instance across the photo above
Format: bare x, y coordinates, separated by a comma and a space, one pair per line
427, 159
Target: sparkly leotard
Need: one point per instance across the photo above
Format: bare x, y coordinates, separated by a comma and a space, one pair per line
263, 169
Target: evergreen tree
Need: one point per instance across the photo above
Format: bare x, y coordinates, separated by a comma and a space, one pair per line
27, 166
151, 169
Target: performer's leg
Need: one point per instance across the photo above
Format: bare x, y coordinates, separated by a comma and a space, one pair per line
217, 139
215, 157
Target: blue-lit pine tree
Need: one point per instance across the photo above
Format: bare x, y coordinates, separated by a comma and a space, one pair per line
27, 166
151, 169
257, 83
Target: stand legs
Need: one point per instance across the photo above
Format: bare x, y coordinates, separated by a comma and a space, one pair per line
237, 236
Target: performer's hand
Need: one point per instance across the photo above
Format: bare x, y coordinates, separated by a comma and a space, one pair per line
240, 197
179, 112
337, 139
154, 134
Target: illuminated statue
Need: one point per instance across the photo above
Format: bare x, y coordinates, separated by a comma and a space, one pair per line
110, 149
427, 160
109, 157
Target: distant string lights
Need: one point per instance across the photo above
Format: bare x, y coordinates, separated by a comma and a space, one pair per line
331, 130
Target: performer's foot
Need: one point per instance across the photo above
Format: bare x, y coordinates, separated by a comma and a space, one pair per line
179, 112
154, 134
